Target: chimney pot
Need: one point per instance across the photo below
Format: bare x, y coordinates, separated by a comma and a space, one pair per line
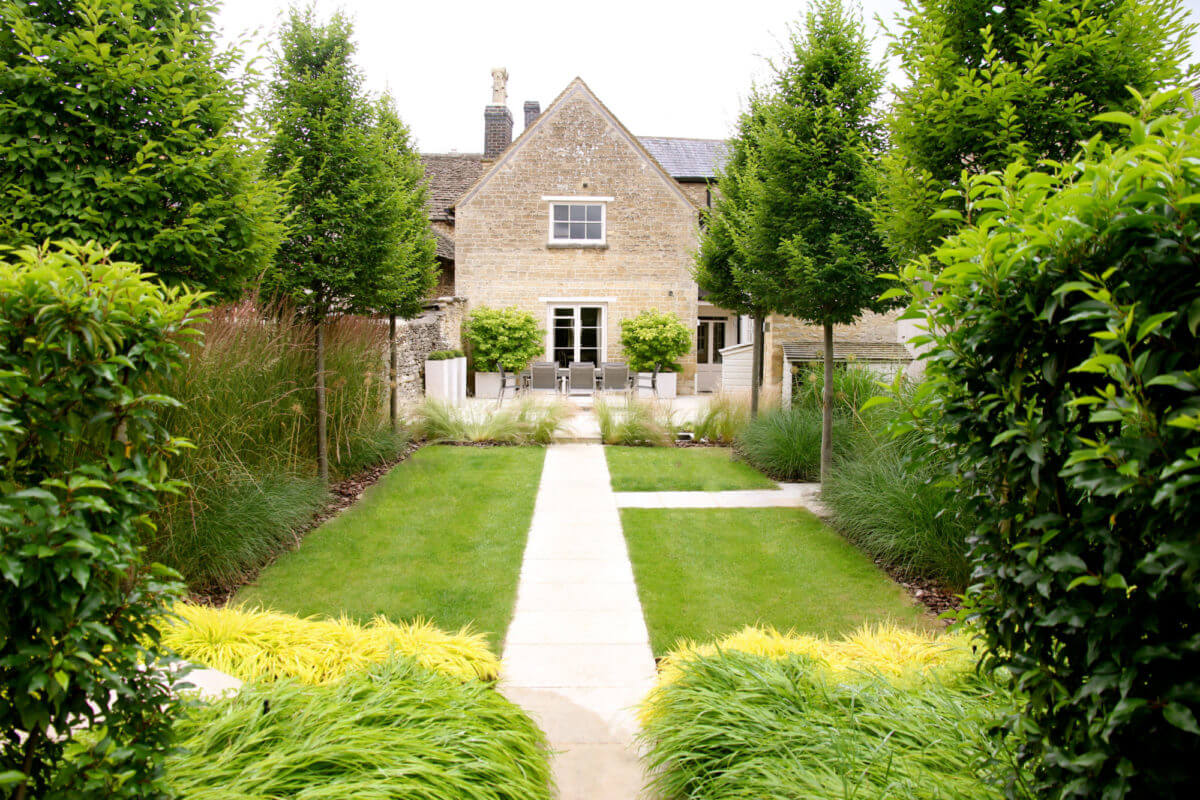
532, 109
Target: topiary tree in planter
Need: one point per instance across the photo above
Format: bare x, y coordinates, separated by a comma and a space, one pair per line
502, 340
654, 341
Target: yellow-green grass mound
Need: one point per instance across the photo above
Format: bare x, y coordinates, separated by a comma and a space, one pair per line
900, 655
255, 645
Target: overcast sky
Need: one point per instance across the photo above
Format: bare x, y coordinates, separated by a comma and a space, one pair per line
664, 67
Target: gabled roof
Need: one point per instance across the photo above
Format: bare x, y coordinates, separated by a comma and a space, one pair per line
448, 176
574, 89
687, 159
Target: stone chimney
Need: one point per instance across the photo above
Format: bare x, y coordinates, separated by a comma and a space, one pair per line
497, 119
532, 109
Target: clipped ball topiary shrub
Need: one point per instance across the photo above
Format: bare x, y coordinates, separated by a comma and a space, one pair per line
503, 339
1064, 365
654, 341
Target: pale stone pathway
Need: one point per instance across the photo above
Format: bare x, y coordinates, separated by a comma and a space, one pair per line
788, 495
577, 655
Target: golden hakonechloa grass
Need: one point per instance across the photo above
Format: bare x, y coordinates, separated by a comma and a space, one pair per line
255, 645
900, 655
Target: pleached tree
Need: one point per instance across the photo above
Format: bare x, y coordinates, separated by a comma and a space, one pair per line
355, 244
795, 236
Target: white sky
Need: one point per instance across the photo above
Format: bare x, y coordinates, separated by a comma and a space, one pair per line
664, 67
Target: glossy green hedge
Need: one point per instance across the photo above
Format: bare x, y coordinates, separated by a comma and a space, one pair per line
83, 458
1063, 368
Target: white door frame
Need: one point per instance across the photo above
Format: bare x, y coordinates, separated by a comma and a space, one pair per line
708, 373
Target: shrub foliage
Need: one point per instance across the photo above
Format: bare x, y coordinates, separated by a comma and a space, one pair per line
122, 122
1065, 365
654, 341
84, 457
503, 338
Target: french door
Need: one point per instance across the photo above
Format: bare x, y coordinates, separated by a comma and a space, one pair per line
578, 334
710, 340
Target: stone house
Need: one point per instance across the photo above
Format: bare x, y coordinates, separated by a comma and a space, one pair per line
584, 224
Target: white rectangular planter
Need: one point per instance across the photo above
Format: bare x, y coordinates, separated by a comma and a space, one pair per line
487, 384
460, 380
441, 380
666, 384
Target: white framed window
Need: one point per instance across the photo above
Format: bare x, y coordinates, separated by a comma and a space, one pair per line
578, 221
577, 333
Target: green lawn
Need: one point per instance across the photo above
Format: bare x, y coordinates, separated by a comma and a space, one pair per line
681, 469
440, 537
702, 573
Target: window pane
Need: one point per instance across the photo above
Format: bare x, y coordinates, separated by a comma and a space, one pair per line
564, 337
702, 343
589, 337
590, 316
578, 213
562, 230
577, 231
593, 230
593, 213
718, 341
591, 355
564, 312
560, 212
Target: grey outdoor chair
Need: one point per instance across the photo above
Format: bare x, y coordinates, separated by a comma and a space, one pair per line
614, 377
581, 377
543, 377
508, 381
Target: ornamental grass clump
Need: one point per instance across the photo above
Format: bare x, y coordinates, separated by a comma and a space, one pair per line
723, 418
894, 499
900, 654
524, 422
246, 405
267, 646
637, 423
736, 725
394, 731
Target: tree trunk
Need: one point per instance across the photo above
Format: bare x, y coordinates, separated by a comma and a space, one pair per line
322, 444
827, 408
756, 367
394, 378
31, 745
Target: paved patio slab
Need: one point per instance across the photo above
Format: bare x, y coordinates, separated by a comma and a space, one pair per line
577, 656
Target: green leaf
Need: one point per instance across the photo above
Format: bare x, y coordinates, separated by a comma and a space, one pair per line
1181, 717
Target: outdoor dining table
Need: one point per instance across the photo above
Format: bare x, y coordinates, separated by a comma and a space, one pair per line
564, 378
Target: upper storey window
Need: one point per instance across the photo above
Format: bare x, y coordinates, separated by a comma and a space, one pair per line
579, 222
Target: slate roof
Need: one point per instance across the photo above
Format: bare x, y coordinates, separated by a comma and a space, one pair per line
686, 159
449, 175
445, 246
847, 351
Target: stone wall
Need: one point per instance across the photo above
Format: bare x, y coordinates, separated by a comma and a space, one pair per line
576, 149
438, 328
870, 327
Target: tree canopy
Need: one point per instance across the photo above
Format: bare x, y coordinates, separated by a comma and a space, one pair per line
123, 123
990, 82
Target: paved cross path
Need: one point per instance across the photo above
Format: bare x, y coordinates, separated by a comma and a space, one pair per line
577, 655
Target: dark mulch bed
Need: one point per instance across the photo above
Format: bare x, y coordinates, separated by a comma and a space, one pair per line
929, 593
342, 495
